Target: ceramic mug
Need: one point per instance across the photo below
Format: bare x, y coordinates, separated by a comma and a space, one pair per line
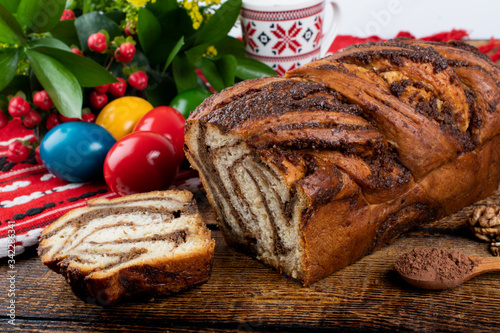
285, 34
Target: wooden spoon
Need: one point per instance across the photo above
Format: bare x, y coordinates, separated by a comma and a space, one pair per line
483, 265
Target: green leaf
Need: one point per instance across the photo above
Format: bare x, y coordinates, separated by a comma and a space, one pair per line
10, 31
159, 8
65, 31
220, 23
195, 54
119, 40
173, 53
148, 29
212, 74
61, 85
8, 66
40, 15
91, 23
250, 69
11, 5
49, 42
227, 68
140, 60
116, 15
161, 88
87, 72
230, 45
184, 75
174, 25
18, 83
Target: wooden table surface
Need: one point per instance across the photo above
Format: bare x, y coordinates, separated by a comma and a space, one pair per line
245, 295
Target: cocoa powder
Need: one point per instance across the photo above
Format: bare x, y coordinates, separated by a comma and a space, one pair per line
434, 264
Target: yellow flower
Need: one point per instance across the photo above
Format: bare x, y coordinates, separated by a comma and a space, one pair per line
197, 14
194, 12
212, 2
140, 3
211, 51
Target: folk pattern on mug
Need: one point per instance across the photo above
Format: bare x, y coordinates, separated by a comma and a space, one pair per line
280, 39
318, 24
248, 32
283, 40
280, 70
271, 16
286, 38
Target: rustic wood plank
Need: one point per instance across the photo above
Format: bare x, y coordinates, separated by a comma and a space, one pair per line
34, 326
246, 295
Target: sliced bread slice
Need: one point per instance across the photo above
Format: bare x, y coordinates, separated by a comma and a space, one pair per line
134, 247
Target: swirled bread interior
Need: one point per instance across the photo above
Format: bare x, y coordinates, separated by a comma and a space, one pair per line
313, 170
143, 245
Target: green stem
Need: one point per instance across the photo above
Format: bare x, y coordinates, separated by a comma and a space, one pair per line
107, 67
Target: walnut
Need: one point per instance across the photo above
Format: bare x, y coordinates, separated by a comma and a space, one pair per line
485, 224
495, 248
485, 216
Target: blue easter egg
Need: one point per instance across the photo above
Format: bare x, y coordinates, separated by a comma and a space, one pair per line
75, 151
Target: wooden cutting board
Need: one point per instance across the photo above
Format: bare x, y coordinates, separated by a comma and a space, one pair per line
245, 295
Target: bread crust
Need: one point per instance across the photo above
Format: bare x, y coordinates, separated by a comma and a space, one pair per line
369, 142
139, 281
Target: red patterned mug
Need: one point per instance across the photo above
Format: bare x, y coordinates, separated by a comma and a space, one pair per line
287, 33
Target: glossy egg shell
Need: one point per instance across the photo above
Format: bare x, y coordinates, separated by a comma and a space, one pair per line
75, 151
141, 162
120, 116
189, 100
167, 121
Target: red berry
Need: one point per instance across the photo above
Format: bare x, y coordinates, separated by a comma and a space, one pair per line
97, 101
77, 51
67, 15
37, 155
89, 117
17, 151
138, 80
4, 119
18, 107
102, 89
130, 30
65, 119
118, 89
32, 119
52, 121
97, 42
42, 100
125, 53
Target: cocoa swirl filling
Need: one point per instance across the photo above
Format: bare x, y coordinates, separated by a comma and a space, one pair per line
102, 213
178, 237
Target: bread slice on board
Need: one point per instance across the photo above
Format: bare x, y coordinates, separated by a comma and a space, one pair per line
134, 247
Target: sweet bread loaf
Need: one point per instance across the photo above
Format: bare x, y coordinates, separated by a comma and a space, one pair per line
138, 246
313, 170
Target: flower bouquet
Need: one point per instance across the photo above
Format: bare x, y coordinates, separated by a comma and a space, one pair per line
66, 60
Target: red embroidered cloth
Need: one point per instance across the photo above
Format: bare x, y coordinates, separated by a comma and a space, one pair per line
31, 198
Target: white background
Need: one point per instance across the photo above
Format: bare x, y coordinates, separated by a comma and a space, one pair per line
385, 18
